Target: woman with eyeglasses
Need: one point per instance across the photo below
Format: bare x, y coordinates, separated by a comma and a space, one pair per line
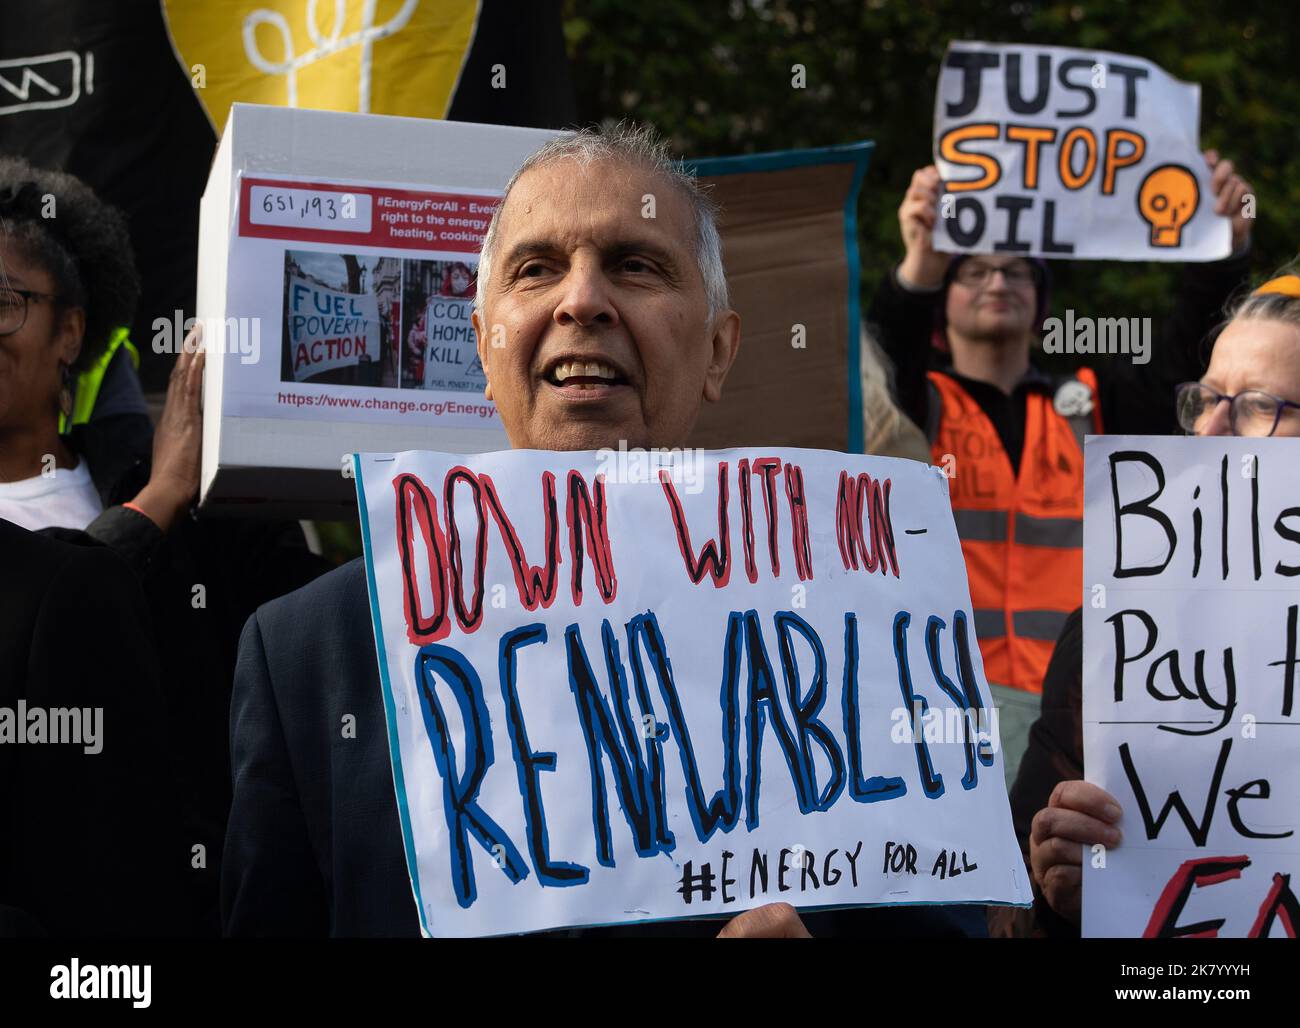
1250, 388
67, 281
1252, 385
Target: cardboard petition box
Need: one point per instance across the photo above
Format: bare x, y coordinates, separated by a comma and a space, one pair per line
337, 254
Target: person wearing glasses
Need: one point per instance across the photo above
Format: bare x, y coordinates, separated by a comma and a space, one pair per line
963, 333
1251, 388
67, 280
1252, 385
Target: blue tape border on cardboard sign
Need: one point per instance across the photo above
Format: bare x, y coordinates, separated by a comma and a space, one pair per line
390, 713
859, 155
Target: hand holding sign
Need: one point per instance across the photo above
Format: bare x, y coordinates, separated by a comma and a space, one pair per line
1233, 198
178, 441
770, 921
1077, 814
923, 267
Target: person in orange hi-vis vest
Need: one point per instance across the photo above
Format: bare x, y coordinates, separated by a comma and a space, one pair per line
1009, 430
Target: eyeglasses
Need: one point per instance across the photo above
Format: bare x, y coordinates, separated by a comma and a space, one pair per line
1252, 413
977, 276
13, 307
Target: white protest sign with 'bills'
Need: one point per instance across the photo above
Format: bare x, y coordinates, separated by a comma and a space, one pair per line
1047, 151
1191, 719
630, 687
328, 328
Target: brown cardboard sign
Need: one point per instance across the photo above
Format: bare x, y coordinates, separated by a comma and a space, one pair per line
789, 233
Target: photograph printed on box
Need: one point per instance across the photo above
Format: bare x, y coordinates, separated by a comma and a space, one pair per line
339, 316
440, 351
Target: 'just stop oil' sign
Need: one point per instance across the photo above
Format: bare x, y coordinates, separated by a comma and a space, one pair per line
626, 687
1048, 151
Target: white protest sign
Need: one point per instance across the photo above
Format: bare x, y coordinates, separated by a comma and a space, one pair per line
1048, 151
632, 687
328, 328
1191, 720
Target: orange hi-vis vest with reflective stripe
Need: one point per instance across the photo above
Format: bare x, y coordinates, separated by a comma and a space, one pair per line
1022, 535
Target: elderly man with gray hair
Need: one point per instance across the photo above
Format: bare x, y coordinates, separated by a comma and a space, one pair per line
602, 316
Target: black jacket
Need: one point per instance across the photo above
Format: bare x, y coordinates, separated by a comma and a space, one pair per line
91, 845
1054, 755
201, 582
314, 845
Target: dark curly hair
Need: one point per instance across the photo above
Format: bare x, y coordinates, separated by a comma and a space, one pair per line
85, 247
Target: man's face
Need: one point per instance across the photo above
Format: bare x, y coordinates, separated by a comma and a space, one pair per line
992, 299
595, 326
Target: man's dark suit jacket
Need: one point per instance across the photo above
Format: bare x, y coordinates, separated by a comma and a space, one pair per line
314, 845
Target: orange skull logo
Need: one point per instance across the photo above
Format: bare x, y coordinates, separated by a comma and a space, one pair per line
1167, 200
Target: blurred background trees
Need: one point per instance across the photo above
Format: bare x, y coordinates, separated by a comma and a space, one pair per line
715, 77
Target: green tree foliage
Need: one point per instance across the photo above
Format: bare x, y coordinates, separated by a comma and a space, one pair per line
715, 77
